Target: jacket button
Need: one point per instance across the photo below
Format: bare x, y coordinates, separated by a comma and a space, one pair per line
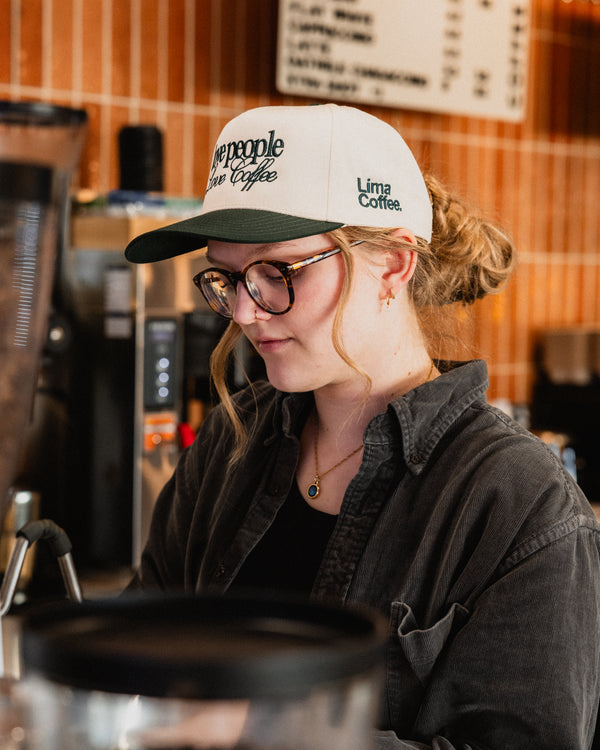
415, 458
220, 571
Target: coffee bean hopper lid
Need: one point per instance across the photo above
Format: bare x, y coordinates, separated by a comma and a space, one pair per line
242, 647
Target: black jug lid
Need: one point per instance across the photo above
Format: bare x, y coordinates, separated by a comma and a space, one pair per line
222, 647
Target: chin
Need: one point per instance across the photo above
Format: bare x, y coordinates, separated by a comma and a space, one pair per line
288, 382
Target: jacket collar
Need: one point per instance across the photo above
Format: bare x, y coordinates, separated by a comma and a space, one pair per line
423, 415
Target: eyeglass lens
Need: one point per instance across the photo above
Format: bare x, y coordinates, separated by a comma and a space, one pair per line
218, 292
265, 284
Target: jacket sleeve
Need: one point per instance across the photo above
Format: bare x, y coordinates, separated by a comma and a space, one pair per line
524, 669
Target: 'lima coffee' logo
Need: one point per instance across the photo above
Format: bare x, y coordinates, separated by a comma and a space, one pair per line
376, 195
249, 161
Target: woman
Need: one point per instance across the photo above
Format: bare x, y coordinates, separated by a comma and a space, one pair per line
365, 470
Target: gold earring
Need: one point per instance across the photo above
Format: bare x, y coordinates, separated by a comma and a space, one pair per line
389, 298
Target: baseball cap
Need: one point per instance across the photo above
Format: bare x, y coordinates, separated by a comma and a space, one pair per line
281, 173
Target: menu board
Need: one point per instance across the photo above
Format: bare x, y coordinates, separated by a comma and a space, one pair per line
457, 56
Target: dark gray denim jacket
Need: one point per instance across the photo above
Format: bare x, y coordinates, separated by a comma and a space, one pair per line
460, 526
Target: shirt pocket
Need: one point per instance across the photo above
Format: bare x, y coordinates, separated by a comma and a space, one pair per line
421, 647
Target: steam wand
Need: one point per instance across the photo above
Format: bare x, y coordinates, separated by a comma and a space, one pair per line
60, 544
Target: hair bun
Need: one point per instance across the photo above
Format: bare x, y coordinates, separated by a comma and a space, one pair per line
468, 258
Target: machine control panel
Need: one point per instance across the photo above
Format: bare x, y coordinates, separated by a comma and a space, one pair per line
160, 363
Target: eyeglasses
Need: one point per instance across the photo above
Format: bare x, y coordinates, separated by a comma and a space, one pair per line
268, 282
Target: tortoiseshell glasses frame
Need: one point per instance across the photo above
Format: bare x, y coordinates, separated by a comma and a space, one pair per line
268, 282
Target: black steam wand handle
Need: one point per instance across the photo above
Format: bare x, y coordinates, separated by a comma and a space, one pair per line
33, 531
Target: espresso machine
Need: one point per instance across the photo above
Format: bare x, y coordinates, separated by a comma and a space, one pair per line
140, 388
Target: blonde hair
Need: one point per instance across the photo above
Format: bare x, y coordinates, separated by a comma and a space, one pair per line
467, 258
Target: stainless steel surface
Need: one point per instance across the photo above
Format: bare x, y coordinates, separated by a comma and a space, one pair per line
11, 577
24, 506
69, 576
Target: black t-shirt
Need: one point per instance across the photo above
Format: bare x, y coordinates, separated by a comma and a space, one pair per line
288, 556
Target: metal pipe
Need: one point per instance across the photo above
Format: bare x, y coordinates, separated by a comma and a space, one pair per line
69, 575
13, 571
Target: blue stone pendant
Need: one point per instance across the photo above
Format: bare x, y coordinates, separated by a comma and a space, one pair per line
313, 489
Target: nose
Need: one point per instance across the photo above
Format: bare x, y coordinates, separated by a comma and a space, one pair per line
246, 310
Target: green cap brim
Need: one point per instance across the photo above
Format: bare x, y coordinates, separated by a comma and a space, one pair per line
228, 225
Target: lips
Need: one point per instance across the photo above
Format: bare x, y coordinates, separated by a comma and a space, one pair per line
269, 345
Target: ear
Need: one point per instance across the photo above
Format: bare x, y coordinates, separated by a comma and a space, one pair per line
400, 264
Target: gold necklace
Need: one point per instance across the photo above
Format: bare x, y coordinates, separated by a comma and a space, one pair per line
430, 373
314, 488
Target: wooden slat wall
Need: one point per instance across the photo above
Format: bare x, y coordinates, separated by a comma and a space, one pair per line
190, 65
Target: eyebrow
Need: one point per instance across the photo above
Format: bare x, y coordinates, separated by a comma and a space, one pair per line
257, 255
